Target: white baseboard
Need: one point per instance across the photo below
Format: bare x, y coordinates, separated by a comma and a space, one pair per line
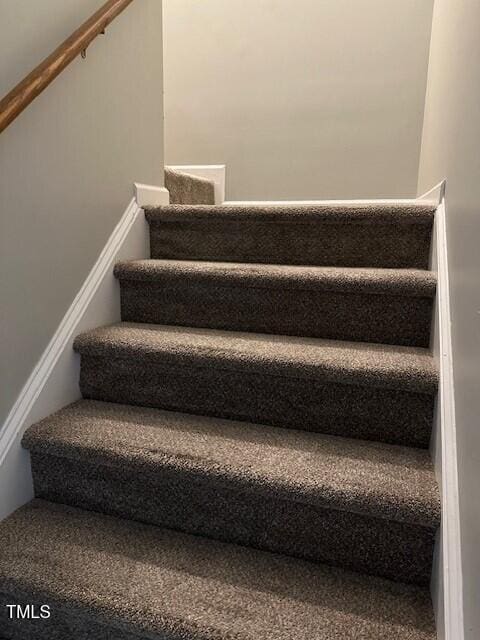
213, 172
447, 582
54, 381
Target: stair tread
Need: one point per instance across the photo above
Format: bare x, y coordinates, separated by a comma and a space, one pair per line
354, 363
147, 581
412, 282
386, 212
386, 481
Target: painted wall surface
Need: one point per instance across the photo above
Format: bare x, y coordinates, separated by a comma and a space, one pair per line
68, 163
450, 149
306, 99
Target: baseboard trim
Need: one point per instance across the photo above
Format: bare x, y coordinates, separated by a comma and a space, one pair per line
447, 583
214, 172
54, 380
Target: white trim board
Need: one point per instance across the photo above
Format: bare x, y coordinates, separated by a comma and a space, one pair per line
447, 581
274, 203
213, 172
147, 195
54, 381
435, 194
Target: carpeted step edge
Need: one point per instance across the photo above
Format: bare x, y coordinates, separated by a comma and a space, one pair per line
418, 372
327, 213
45, 439
400, 282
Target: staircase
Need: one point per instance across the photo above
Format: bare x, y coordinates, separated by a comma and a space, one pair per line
249, 461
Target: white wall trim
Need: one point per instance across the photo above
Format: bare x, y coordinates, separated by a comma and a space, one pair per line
149, 195
37, 379
448, 592
267, 203
54, 381
435, 194
451, 541
214, 172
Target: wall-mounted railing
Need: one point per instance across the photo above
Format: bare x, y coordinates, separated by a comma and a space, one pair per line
37, 80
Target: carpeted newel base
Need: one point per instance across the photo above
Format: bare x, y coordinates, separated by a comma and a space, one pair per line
187, 189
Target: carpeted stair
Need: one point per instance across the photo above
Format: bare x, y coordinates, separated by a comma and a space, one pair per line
269, 390
381, 235
293, 492
390, 306
115, 579
353, 389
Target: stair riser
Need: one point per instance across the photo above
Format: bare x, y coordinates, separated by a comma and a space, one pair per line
333, 244
227, 511
386, 319
385, 415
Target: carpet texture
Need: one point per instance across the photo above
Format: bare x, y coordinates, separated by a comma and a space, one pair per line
389, 306
123, 580
187, 189
294, 492
269, 390
374, 392
372, 235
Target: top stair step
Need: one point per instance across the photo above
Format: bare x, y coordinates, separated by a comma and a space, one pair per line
349, 234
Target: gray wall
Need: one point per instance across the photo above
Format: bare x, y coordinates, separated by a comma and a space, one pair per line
451, 150
305, 99
68, 163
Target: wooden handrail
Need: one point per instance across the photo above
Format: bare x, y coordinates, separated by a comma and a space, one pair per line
37, 80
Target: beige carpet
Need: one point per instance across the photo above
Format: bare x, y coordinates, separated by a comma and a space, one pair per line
187, 189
